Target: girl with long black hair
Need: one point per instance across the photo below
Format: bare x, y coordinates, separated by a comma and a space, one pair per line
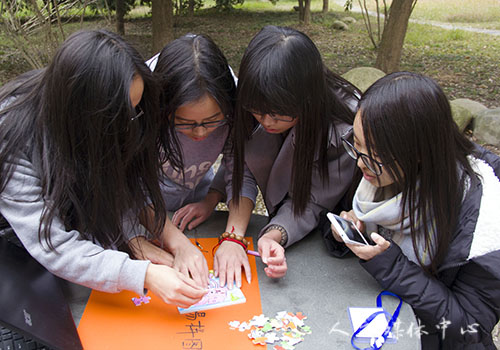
290, 113
429, 198
79, 158
197, 97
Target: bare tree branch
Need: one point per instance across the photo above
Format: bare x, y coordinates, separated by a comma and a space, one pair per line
36, 35
366, 19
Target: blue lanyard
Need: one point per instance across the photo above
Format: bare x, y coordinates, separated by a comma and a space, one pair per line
377, 343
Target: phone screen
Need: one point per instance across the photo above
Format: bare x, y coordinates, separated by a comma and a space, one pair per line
350, 230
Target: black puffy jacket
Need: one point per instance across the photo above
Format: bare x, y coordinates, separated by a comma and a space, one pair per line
462, 303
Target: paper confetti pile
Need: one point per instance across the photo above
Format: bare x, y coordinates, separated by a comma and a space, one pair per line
286, 329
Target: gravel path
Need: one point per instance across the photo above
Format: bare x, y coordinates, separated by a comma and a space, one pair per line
449, 26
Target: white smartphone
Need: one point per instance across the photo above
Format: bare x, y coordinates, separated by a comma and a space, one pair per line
348, 230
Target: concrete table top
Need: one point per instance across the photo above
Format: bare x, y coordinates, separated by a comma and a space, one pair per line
320, 286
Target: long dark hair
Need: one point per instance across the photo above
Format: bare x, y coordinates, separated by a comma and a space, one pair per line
407, 123
74, 121
188, 68
282, 73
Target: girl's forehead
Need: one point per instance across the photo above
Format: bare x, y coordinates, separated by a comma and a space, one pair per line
357, 127
204, 108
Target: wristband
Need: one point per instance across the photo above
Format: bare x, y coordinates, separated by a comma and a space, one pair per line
284, 234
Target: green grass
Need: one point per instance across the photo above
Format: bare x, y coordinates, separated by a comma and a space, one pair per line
470, 13
464, 63
460, 11
483, 14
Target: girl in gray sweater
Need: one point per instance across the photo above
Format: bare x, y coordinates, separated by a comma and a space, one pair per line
79, 160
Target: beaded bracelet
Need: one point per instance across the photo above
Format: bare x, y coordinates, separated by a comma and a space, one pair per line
232, 237
284, 234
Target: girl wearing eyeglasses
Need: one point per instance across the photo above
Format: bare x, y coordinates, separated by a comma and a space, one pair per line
197, 99
429, 198
78, 163
290, 113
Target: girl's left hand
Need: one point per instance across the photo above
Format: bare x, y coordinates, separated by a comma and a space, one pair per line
366, 252
142, 249
273, 255
229, 260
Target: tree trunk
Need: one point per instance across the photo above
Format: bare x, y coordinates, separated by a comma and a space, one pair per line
325, 6
307, 11
301, 10
191, 8
391, 45
120, 14
163, 23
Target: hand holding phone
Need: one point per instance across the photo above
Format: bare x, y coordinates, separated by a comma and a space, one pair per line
348, 231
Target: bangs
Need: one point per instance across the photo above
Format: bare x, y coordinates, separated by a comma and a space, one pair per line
281, 73
275, 95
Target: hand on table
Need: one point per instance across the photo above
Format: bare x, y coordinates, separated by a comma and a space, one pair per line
145, 250
192, 215
273, 255
229, 258
172, 286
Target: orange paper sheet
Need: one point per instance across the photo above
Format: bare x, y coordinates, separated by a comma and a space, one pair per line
112, 321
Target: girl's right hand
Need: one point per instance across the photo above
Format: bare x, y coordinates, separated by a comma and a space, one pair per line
172, 286
191, 215
349, 215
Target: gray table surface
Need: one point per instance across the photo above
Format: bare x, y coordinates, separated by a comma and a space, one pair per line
318, 285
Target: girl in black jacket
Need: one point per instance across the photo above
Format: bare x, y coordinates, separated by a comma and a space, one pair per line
429, 198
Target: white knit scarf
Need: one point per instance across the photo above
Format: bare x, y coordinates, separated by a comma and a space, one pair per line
386, 215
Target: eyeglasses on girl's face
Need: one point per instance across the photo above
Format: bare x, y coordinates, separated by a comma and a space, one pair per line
207, 125
373, 165
276, 117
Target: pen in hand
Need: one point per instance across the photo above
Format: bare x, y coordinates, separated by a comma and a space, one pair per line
253, 252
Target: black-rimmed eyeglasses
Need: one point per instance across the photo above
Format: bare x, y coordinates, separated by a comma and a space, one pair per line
281, 118
206, 125
373, 165
138, 113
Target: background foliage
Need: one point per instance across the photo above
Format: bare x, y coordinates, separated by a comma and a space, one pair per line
464, 63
